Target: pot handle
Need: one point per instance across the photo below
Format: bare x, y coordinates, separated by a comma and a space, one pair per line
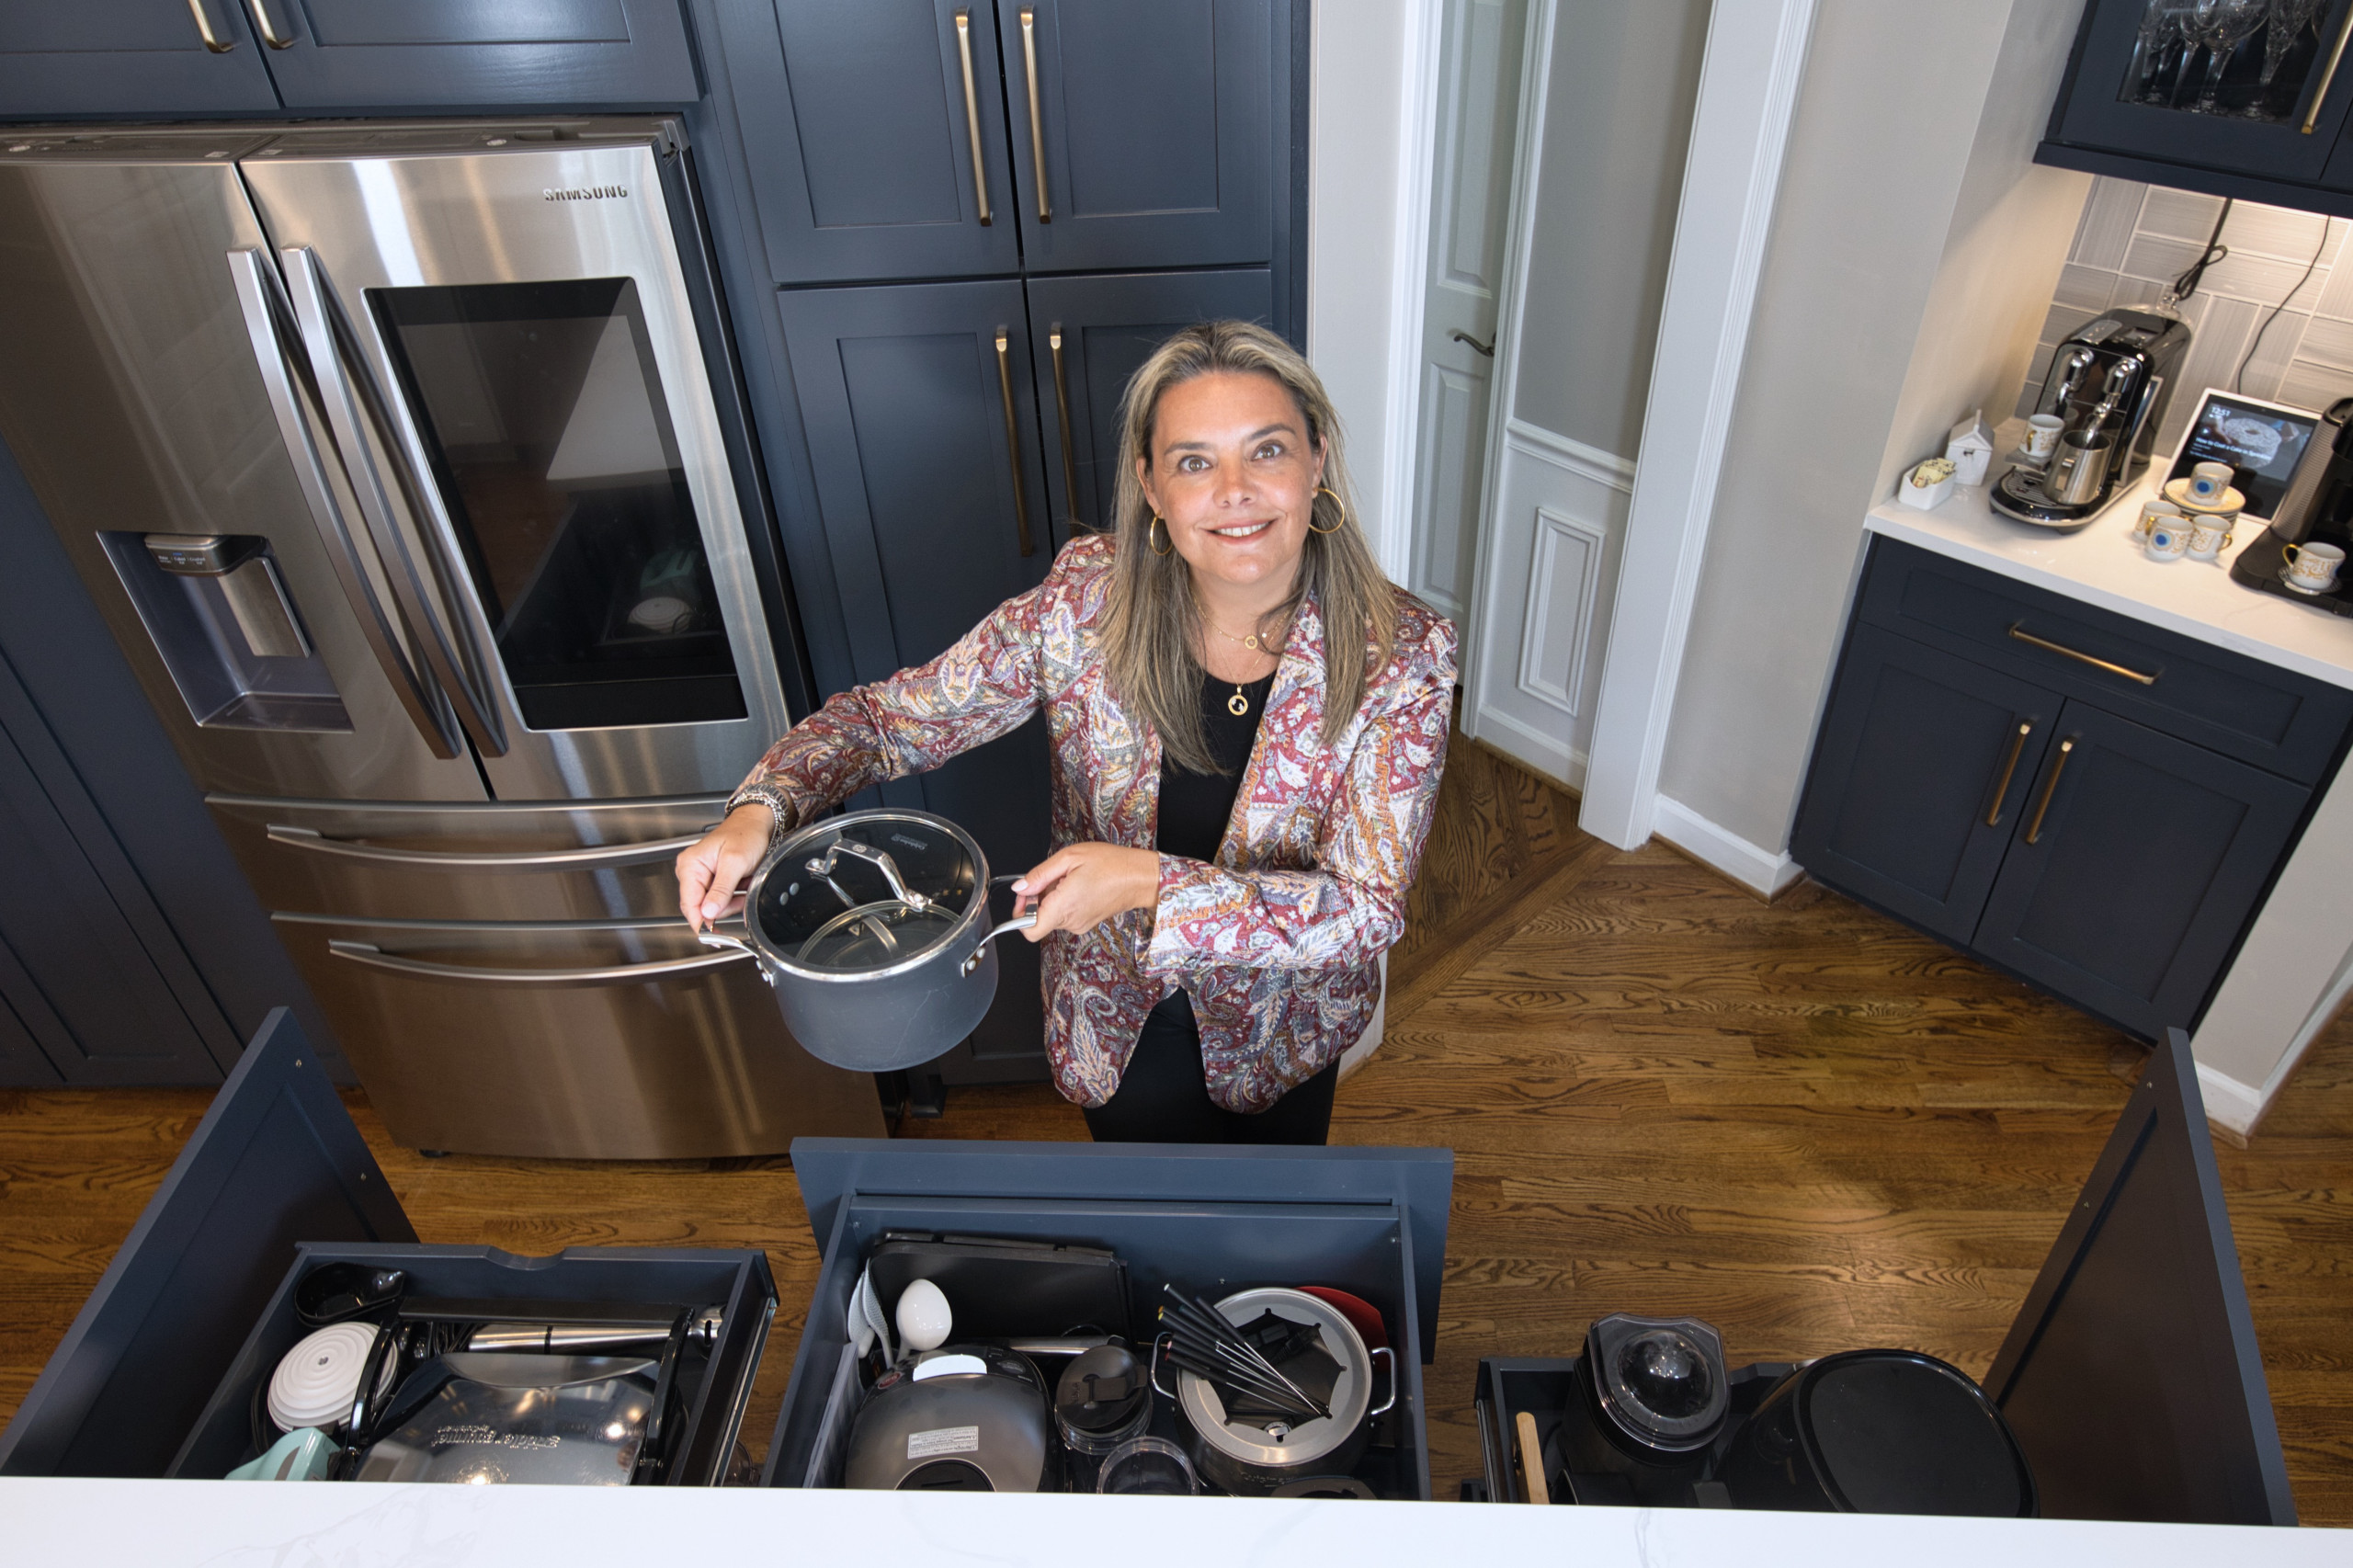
716, 939
1386, 1406
1018, 922
1158, 1340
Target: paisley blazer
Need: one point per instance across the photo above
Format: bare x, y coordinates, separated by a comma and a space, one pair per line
1277, 940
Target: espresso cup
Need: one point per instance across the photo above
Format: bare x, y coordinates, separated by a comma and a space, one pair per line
2149, 512
2043, 436
2208, 480
2168, 539
2209, 534
2314, 567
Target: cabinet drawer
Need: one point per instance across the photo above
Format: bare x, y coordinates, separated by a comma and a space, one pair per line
2279, 721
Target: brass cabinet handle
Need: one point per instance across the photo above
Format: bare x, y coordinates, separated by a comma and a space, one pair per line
1062, 412
204, 30
2087, 658
2009, 766
2328, 72
2050, 787
1462, 336
1013, 443
269, 33
972, 112
1037, 128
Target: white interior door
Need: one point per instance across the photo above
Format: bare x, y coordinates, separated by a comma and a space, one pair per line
1482, 45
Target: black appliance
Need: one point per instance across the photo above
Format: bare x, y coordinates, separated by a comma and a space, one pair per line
1652, 1394
2316, 509
2109, 383
965, 1418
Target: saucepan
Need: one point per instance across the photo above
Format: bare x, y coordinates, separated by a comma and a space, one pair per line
873, 929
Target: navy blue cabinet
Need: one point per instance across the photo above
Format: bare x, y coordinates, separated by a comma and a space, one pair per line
1087, 337
2103, 829
2244, 102
140, 59
148, 57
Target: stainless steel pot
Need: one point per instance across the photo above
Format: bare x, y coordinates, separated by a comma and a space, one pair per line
873, 929
1256, 1457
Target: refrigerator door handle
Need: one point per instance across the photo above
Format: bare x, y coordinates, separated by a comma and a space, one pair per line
355, 404
643, 852
373, 957
271, 327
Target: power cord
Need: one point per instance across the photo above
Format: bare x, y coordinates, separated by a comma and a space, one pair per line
2282, 305
2194, 274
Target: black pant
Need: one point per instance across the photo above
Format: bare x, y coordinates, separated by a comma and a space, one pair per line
1164, 1098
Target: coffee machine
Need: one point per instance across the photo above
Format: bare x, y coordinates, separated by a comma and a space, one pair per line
2108, 383
2316, 508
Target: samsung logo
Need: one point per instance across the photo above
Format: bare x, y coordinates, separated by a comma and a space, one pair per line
587, 193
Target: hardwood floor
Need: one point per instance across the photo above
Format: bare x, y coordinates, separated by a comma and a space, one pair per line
1799, 1121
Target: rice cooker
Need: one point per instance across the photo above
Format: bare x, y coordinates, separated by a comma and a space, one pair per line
961, 1418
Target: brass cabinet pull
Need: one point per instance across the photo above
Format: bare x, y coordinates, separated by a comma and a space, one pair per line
1013, 443
1062, 412
2009, 766
1037, 127
2050, 787
2328, 72
2086, 658
269, 33
972, 112
204, 30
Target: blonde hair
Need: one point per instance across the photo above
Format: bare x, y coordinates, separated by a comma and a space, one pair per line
1153, 619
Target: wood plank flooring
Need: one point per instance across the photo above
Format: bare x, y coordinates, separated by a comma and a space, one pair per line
1798, 1121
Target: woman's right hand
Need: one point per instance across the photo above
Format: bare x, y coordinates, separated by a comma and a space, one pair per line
711, 871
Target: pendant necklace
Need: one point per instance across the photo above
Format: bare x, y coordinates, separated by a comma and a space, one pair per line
1238, 704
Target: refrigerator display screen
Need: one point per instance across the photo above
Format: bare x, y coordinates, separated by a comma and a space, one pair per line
553, 451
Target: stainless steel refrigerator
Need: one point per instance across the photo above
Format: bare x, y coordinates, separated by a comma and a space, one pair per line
405, 464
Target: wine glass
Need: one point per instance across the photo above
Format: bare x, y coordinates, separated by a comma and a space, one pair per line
2161, 27
2221, 25
2288, 21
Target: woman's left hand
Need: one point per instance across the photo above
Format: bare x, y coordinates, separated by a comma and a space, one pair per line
1081, 886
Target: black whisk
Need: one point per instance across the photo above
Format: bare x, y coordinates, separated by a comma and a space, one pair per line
1204, 1344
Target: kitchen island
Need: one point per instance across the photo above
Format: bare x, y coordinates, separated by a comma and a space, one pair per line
2294, 968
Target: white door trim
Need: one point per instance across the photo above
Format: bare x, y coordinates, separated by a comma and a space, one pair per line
1519, 239
1748, 87
1393, 542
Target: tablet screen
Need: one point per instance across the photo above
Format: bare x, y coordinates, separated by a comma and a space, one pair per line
2260, 442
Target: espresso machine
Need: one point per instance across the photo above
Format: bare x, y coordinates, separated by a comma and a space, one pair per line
2316, 508
2108, 383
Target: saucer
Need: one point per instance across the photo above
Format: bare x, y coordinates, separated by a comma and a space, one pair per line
2178, 491
2293, 586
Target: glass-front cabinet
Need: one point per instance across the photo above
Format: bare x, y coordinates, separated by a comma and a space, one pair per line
2251, 90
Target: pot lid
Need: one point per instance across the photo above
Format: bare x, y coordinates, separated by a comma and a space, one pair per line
1661, 1379
867, 892
1279, 1444
1898, 1432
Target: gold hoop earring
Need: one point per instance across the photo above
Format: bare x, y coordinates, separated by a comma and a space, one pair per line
1342, 506
1153, 539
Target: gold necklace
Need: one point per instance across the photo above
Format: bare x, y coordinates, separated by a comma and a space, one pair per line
1238, 704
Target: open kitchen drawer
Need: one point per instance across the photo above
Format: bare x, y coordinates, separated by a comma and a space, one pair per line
1369, 1221
157, 1375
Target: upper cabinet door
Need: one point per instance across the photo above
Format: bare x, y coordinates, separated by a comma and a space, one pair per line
463, 53
80, 56
1155, 121
1086, 337
2237, 85
860, 126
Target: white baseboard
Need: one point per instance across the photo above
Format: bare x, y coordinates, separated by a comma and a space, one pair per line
1768, 871
1548, 757
2230, 1103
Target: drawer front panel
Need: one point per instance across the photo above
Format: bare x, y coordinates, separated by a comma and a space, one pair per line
2279, 721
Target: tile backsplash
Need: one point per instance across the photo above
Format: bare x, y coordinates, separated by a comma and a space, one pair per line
2134, 239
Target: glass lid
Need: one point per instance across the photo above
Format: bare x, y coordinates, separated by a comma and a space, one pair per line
867, 891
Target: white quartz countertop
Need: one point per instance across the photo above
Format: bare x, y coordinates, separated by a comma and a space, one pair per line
2098, 565
97, 1524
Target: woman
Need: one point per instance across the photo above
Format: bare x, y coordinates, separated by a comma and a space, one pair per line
1247, 721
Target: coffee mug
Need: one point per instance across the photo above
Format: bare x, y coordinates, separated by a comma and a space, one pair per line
2168, 539
2208, 480
2042, 434
2313, 567
2210, 534
2149, 512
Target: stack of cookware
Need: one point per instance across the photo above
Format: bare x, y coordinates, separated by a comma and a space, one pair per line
1266, 1392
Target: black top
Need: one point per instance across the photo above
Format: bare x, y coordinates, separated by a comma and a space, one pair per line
1195, 807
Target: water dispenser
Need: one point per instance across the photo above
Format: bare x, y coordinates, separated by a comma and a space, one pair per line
219, 610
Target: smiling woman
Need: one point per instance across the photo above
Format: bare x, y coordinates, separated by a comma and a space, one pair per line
1248, 724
